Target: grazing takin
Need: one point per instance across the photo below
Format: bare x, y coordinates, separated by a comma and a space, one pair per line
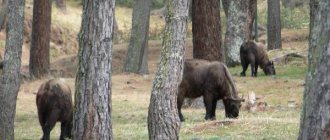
254, 53
54, 103
211, 80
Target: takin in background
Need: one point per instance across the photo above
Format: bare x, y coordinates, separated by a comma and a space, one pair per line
254, 53
211, 80
54, 103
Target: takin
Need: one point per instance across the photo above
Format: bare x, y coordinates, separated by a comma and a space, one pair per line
54, 103
211, 80
254, 53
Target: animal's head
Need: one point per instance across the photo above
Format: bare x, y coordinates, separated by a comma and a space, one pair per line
269, 68
232, 107
248, 43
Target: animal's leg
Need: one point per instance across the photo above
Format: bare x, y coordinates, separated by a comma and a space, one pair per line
208, 98
42, 121
244, 66
253, 70
256, 70
180, 102
63, 130
253, 64
50, 123
214, 107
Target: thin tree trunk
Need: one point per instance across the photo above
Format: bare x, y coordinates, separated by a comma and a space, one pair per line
225, 5
137, 53
251, 14
10, 79
315, 116
236, 32
92, 116
3, 14
41, 27
207, 30
163, 118
274, 25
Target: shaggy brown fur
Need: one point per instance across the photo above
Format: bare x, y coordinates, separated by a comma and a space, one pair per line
254, 53
54, 103
211, 80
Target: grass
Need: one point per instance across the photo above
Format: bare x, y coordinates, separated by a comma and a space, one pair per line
130, 106
130, 102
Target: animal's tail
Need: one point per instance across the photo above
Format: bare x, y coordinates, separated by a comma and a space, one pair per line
231, 82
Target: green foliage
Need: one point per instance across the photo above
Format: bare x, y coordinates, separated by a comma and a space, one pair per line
125, 3
157, 4
295, 18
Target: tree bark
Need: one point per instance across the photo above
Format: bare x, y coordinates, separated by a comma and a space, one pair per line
315, 116
10, 79
236, 32
225, 5
41, 28
92, 116
251, 14
3, 14
207, 30
163, 118
137, 53
274, 25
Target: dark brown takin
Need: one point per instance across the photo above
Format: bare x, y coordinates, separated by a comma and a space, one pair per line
254, 53
211, 80
54, 103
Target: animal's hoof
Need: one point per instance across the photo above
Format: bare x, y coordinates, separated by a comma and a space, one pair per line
182, 119
210, 118
242, 74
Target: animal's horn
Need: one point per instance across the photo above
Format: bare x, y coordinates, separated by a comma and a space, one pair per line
239, 99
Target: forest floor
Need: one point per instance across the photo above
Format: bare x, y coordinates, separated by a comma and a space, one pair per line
131, 93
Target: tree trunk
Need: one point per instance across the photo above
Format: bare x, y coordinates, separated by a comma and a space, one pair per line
315, 116
39, 50
274, 25
3, 14
206, 30
10, 79
251, 14
92, 116
225, 5
137, 53
236, 32
163, 118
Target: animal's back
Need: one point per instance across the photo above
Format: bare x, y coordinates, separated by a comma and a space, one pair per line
249, 48
54, 95
194, 73
219, 74
195, 70
255, 49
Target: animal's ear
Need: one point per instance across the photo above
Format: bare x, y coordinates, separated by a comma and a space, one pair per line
272, 62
